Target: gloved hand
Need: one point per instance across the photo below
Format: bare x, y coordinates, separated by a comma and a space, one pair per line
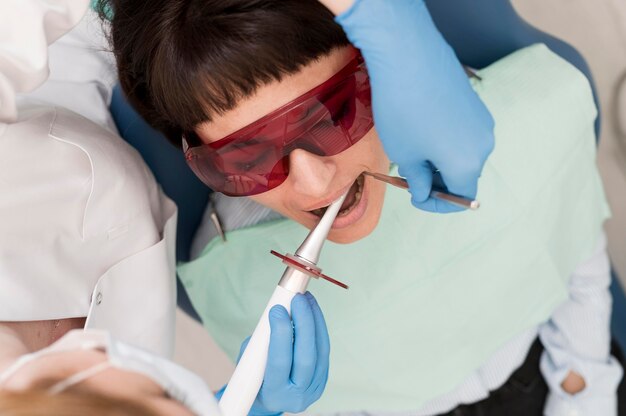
297, 363
425, 111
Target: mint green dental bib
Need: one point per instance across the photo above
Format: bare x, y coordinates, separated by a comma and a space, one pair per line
433, 296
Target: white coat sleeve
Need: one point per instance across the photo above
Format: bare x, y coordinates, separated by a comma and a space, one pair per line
27, 27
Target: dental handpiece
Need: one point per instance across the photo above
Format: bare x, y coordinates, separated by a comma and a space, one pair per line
246, 381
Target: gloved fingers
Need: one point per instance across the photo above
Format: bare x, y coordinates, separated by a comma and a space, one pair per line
462, 178
244, 344
323, 347
304, 348
440, 180
461, 169
280, 354
437, 206
458, 180
318, 386
459, 183
322, 339
420, 179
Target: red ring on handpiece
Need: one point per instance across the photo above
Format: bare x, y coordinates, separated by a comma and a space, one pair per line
308, 270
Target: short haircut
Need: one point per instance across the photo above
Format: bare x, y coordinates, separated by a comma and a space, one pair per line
180, 62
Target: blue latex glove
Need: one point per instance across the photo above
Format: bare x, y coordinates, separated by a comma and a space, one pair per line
297, 363
426, 113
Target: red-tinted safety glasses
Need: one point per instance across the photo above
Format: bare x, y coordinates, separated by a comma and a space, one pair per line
325, 121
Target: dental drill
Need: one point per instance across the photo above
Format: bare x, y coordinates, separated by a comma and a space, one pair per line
246, 381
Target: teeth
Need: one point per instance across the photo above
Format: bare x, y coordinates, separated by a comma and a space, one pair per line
357, 197
319, 212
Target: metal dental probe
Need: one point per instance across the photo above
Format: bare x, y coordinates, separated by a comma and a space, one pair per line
246, 381
444, 196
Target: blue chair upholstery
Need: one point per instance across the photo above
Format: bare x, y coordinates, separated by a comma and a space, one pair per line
480, 31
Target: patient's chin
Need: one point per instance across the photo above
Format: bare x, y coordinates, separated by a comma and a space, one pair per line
343, 239
351, 234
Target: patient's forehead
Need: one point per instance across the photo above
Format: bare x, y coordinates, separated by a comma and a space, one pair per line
274, 95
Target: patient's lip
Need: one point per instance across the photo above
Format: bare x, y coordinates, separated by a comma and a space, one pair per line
356, 212
329, 201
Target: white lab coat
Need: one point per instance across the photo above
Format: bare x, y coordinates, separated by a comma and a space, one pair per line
85, 231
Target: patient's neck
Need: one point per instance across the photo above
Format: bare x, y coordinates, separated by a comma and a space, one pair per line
18, 338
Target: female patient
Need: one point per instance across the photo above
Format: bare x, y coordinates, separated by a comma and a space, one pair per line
501, 311
87, 294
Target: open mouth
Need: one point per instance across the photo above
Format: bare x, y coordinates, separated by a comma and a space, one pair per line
352, 199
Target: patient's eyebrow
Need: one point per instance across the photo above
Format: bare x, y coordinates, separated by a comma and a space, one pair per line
253, 141
249, 143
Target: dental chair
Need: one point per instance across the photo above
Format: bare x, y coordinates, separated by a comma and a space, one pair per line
480, 31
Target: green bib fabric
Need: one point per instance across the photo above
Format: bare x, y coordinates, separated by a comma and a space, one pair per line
433, 296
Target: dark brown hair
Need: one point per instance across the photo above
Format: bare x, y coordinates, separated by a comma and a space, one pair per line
182, 61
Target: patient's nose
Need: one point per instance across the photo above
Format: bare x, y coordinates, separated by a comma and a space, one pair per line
310, 174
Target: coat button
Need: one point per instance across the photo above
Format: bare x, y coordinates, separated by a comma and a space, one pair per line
99, 298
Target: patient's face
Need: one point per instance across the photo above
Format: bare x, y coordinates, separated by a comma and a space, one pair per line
315, 181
